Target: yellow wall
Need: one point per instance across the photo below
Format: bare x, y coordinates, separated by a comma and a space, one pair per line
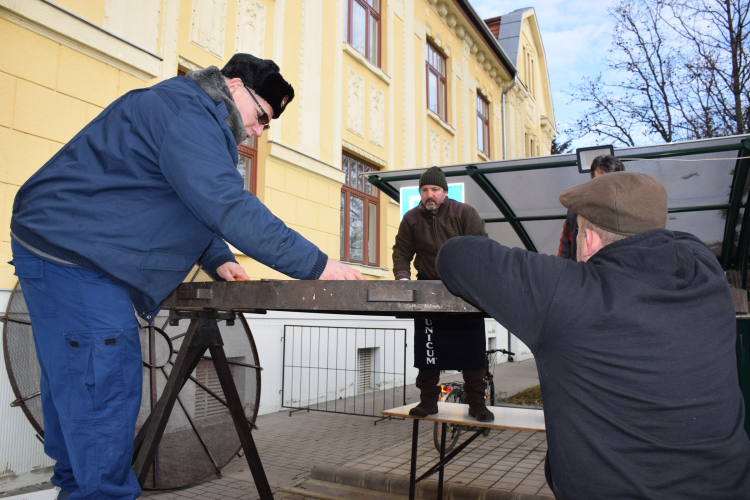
50, 90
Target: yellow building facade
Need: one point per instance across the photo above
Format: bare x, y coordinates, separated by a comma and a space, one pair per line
380, 85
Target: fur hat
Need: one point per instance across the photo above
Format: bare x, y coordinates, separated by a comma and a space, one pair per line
261, 75
433, 176
625, 203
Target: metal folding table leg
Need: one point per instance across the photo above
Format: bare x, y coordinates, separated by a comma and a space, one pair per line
442, 455
413, 475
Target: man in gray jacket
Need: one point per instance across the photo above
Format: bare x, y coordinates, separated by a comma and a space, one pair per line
634, 344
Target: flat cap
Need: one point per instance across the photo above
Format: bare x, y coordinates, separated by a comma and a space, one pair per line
625, 203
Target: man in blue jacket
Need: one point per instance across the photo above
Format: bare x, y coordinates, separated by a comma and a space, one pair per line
634, 344
115, 221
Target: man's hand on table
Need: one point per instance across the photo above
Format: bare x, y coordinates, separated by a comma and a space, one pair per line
231, 271
335, 270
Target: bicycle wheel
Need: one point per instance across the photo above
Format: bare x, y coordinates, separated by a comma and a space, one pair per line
453, 431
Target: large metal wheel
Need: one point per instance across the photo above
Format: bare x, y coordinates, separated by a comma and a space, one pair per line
200, 438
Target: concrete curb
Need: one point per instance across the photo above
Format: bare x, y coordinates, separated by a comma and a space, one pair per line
399, 485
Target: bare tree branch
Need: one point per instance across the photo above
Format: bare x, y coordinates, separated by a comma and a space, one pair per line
683, 68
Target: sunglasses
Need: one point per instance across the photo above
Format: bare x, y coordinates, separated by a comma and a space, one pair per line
263, 119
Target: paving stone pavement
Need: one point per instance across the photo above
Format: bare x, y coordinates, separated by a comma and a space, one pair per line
291, 446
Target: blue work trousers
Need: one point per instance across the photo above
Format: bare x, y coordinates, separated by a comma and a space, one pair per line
88, 347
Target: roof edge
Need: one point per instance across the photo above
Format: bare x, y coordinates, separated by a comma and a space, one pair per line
480, 27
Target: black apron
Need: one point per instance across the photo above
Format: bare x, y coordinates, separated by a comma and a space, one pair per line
449, 344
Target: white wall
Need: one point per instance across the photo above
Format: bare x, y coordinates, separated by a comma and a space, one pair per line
268, 332
22, 458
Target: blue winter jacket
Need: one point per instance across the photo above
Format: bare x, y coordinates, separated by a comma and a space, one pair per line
149, 188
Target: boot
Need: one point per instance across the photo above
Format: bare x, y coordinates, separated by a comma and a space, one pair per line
429, 393
480, 412
474, 386
424, 409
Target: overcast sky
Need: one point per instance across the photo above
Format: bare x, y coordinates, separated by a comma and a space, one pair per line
576, 37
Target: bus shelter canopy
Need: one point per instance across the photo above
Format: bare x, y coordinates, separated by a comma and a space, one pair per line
706, 182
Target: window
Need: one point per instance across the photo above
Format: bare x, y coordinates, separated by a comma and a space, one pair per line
483, 125
359, 214
436, 86
529, 73
248, 154
362, 28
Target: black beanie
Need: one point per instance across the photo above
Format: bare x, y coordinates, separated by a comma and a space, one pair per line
261, 75
433, 176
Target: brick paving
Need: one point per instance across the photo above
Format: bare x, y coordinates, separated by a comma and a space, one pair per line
291, 446
506, 460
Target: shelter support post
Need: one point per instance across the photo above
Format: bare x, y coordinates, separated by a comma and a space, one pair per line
735, 201
385, 187
502, 205
743, 364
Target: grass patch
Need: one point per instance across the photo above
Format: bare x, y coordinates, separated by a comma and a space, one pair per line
528, 397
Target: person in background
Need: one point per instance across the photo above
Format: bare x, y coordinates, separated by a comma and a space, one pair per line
441, 344
601, 165
115, 221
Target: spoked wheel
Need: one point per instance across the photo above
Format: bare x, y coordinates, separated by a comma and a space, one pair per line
200, 437
452, 431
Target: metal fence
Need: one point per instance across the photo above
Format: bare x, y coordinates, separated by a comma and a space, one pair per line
356, 371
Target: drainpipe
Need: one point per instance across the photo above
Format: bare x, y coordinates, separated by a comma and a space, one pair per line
515, 80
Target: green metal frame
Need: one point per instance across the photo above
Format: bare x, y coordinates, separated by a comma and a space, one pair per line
735, 200
742, 171
502, 205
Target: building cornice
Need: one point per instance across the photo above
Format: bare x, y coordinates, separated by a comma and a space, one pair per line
484, 32
61, 26
468, 27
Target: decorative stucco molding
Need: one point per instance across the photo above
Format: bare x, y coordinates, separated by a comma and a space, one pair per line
364, 154
447, 152
189, 65
531, 110
434, 147
439, 121
355, 104
250, 36
357, 56
297, 160
69, 30
208, 25
377, 116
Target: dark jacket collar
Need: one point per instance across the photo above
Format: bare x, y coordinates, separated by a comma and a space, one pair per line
212, 82
663, 258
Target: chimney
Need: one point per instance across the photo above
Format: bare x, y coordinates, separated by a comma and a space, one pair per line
494, 25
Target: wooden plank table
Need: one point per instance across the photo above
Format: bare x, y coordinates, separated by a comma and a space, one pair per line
521, 419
